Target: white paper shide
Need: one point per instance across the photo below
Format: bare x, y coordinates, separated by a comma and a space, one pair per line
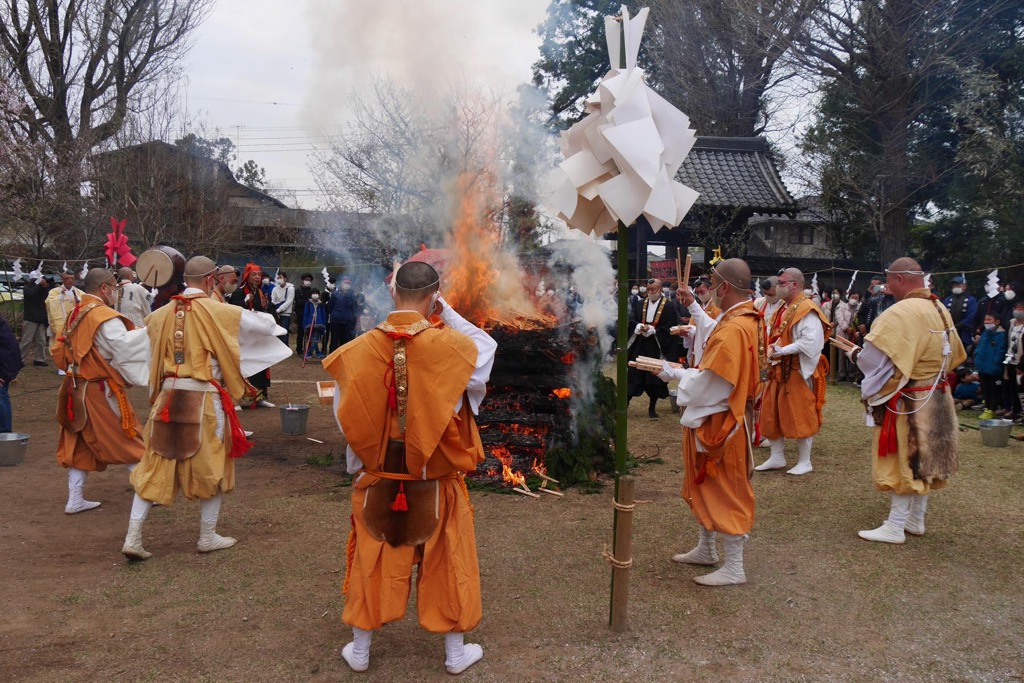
621, 160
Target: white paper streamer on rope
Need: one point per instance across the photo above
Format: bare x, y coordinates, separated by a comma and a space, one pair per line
84, 272
621, 160
992, 284
757, 288
64, 268
814, 284
18, 274
327, 276
849, 287
928, 281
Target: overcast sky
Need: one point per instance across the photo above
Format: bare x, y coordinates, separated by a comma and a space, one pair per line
270, 73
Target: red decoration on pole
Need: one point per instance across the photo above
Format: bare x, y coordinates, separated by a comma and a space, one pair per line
116, 247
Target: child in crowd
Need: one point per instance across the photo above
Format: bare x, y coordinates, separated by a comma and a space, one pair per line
989, 353
968, 389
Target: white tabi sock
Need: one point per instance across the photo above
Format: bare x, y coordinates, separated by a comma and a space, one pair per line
777, 459
460, 655
915, 522
357, 653
891, 530
76, 502
140, 509
209, 540
803, 465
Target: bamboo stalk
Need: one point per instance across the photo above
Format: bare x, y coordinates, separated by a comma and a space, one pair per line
686, 272
526, 492
552, 492
622, 552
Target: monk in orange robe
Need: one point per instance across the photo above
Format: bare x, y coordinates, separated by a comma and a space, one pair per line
405, 398
103, 355
795, 394
718, 425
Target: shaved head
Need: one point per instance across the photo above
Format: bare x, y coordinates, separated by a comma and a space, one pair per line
734, 271
417, 280
730, 280
904, 276
96, 278
795, 275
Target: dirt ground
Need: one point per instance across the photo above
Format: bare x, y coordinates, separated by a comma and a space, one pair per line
820, 605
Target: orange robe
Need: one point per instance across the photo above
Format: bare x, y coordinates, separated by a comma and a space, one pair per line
108, 438
790, 408
716, 482
211, 331
440, 444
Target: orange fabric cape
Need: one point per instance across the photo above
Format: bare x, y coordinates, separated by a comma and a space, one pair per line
790, 408
716, 483
104, 440
440, 444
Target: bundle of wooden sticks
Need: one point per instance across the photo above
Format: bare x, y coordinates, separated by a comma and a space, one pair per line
649, 364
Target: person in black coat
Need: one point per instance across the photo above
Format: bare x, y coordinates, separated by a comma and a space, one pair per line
650, 326
10, 366
35, 321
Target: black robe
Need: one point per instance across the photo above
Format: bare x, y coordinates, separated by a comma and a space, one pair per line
661, 344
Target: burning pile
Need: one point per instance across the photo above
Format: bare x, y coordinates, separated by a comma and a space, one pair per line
528, 409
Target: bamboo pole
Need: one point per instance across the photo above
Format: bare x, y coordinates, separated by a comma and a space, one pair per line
622, 554
620, 581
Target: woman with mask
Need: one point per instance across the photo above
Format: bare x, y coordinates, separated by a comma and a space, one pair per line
314, 321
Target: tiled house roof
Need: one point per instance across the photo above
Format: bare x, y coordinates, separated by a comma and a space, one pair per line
736, 174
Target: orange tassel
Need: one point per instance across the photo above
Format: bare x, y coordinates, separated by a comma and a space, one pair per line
400, 504
350, 556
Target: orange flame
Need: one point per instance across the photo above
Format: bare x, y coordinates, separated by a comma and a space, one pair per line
483, 281
507, 474
564, 392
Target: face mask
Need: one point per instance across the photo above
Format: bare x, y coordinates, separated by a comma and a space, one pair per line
704, 297
314, 298
1018, 315
230, 287
634, 291
808, 292
654, 296
1009, 294
958, 290
307, 283
772, 298
280, 282
716, 300
877, 289
990, 326
345, 286
854, 303
835, 295
782, 290
643, 290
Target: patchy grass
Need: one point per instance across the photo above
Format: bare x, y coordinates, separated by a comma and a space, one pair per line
820, 605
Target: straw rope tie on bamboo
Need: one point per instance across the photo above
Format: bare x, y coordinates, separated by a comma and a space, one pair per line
617, 564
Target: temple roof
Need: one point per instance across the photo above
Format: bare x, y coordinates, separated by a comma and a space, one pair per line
736, 174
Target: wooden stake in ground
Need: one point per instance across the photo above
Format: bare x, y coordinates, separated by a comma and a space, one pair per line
622, 556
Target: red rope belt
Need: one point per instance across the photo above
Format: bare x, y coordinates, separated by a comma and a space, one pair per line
887, 442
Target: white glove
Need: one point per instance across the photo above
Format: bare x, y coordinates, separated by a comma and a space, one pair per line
639, 329
649, 331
